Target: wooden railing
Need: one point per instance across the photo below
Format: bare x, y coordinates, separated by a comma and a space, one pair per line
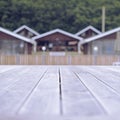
58, 60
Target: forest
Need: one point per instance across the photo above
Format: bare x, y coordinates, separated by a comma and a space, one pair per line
69, 15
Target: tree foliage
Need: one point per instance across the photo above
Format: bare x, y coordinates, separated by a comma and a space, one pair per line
69, 15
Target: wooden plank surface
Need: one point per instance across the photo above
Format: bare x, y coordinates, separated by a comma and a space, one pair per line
59, 92
104, 86
4, 68
13, 96
45, 97
77, 99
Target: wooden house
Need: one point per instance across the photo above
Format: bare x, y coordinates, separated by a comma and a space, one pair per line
88, 32
58, 40
12, 43
107, 43
26, 32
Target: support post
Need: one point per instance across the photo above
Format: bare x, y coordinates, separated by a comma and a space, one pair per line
79, 45
103, 19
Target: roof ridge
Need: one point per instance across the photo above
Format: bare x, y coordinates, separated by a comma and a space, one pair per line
26, 27
101, 35
57, 30
16, 35
87, 28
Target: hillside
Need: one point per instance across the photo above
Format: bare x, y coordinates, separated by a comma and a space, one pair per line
72, 15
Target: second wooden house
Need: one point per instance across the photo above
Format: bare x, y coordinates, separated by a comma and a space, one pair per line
58, 40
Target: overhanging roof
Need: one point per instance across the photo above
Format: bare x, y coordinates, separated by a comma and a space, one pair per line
101, 35
27, 28
16, 35
58, 31
88, 28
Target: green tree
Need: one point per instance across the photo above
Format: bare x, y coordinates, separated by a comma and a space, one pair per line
45, 15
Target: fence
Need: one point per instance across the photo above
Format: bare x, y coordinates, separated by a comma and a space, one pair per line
58, 60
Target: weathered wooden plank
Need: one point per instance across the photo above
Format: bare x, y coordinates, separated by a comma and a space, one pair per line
9, 77
114, 77
45, 98
115, 69
16, 94
4, 68
106, 96
76, 98
111, 70
34, 92
48, 117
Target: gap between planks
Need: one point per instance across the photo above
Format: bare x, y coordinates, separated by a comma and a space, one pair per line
30, 94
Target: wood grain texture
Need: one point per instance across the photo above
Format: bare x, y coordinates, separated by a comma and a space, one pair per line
59, 92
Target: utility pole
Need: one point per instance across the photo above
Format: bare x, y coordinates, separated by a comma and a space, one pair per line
103, 19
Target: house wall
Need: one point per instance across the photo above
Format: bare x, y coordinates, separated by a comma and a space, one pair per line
26, 33
60, 42
88, 34
106, 45
56, 36
10, 45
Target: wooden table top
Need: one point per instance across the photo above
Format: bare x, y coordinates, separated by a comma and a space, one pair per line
59, 92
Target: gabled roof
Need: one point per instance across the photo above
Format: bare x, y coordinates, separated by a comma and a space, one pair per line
27, 28
88, 28
101, 35
59, 31
16, 35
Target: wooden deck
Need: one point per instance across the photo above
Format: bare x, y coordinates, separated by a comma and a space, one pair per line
59, 93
